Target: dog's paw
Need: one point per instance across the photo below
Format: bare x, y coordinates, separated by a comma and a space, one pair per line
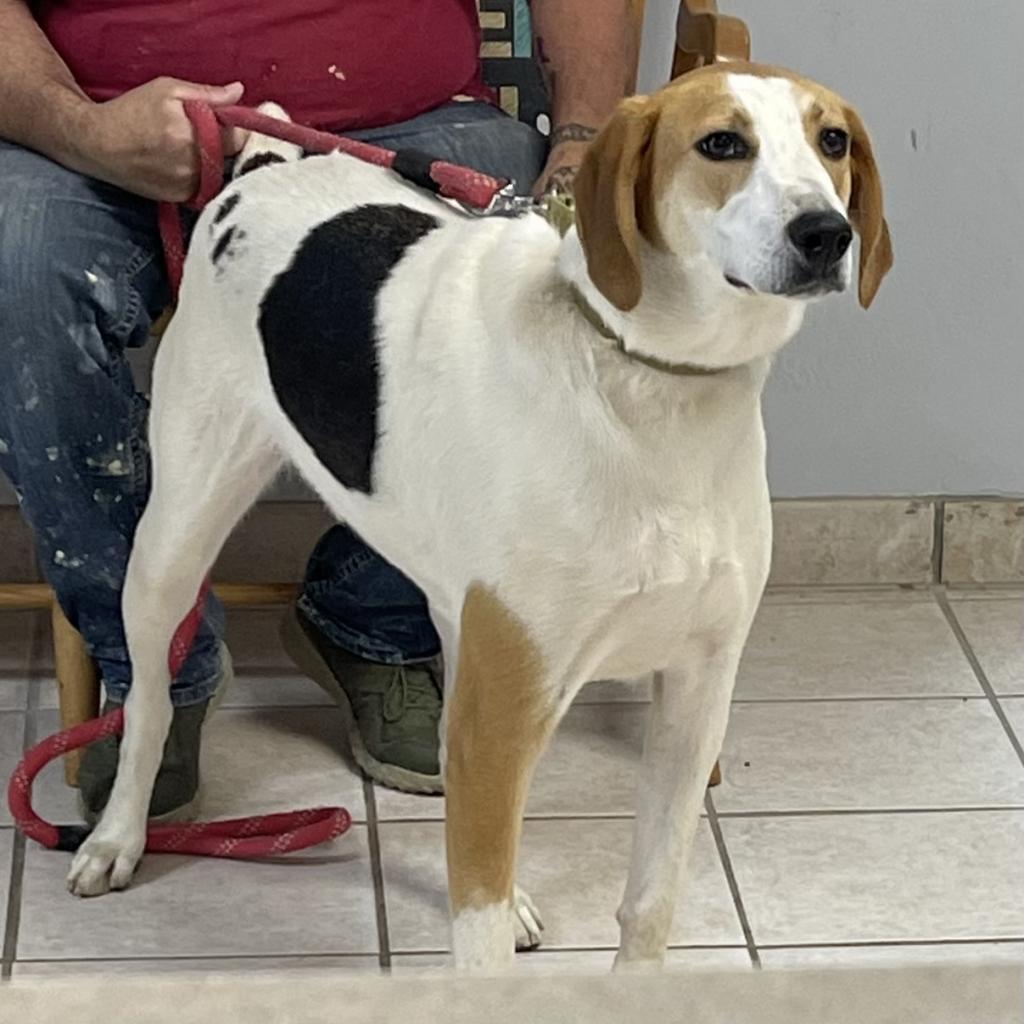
103, 863
529, 926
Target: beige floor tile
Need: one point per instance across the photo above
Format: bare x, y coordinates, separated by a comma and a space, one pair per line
269, 688
6, 846
880, 878
575, 870
15, 652
893, 956
589, 769
581, 961
303, 965
52, 798
995, 631
862, 755
47, 697
318, 901
864, 648
255, 761
12, 734
13, 691
1014, 708
395, 806
263, 760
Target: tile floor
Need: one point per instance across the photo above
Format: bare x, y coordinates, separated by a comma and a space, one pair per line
872, 812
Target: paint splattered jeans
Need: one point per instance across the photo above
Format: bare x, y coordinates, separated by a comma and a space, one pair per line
81, 282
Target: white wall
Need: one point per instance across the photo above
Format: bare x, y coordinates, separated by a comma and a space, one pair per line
925, 392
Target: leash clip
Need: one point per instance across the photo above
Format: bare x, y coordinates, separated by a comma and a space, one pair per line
558, 208
504, 203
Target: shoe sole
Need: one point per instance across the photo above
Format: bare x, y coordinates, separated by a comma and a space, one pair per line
189, 810
303, 652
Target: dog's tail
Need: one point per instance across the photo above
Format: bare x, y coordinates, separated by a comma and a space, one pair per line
260, 150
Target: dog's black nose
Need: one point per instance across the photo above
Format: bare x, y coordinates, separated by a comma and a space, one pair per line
822, 238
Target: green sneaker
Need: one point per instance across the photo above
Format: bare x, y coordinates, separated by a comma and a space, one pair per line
392, 712
176, 791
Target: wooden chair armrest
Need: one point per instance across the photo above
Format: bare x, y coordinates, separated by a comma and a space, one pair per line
703, 36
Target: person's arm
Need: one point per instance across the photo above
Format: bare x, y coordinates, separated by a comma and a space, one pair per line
587, 52
142, 141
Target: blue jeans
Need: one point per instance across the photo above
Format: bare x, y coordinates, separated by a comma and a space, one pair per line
81, 281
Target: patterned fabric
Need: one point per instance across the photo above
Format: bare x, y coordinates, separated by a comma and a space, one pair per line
507, 56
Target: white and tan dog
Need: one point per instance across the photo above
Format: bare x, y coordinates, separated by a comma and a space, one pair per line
559, 440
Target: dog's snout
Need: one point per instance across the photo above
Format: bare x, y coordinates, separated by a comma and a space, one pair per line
821, 238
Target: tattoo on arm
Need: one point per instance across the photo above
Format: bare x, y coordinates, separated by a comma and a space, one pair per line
561, 179
572, 132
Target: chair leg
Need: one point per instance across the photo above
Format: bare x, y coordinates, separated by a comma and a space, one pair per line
78, 683
716, 776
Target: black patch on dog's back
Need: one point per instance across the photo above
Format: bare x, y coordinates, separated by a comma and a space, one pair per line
317, 321
258, 160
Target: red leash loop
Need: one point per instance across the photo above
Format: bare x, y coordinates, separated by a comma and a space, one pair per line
448, 180
264, 836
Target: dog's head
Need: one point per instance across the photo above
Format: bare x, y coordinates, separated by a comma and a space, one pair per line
749, 176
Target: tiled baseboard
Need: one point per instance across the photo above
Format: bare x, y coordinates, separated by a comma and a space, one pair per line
830, 542
983, 541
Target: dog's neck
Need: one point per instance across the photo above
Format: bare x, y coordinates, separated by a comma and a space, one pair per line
690, 320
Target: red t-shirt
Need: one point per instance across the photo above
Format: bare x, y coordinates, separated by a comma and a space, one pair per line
333, 64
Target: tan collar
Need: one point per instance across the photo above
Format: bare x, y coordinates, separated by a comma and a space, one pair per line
596, 321
559, 209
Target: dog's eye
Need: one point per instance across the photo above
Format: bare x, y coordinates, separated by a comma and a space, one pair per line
834, 142
724, 146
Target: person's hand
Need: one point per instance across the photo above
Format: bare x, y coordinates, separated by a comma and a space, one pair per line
568, 144
143, 141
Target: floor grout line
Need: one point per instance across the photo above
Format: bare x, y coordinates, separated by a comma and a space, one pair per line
854, 812
879, 699
731, 881
790, 812
16, 881
377, 869
902, 943
938, 539
958, 630
172, 957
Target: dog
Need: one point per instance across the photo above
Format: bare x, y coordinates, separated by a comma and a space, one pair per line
558, 439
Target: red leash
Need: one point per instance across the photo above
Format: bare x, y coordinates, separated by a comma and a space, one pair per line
264, 836
451, 181
273, 833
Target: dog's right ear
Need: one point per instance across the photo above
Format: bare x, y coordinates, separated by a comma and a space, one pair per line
606, 201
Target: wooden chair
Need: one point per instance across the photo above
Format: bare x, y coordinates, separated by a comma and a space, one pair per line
703, 36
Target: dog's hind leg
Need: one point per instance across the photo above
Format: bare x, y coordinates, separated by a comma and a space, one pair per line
685, 728
499, 719
211, 458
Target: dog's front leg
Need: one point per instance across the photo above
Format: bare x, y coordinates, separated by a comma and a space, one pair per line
685, 730
108, 858
498, 721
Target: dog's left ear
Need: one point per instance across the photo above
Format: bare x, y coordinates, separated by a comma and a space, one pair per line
867, 212
606, 202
